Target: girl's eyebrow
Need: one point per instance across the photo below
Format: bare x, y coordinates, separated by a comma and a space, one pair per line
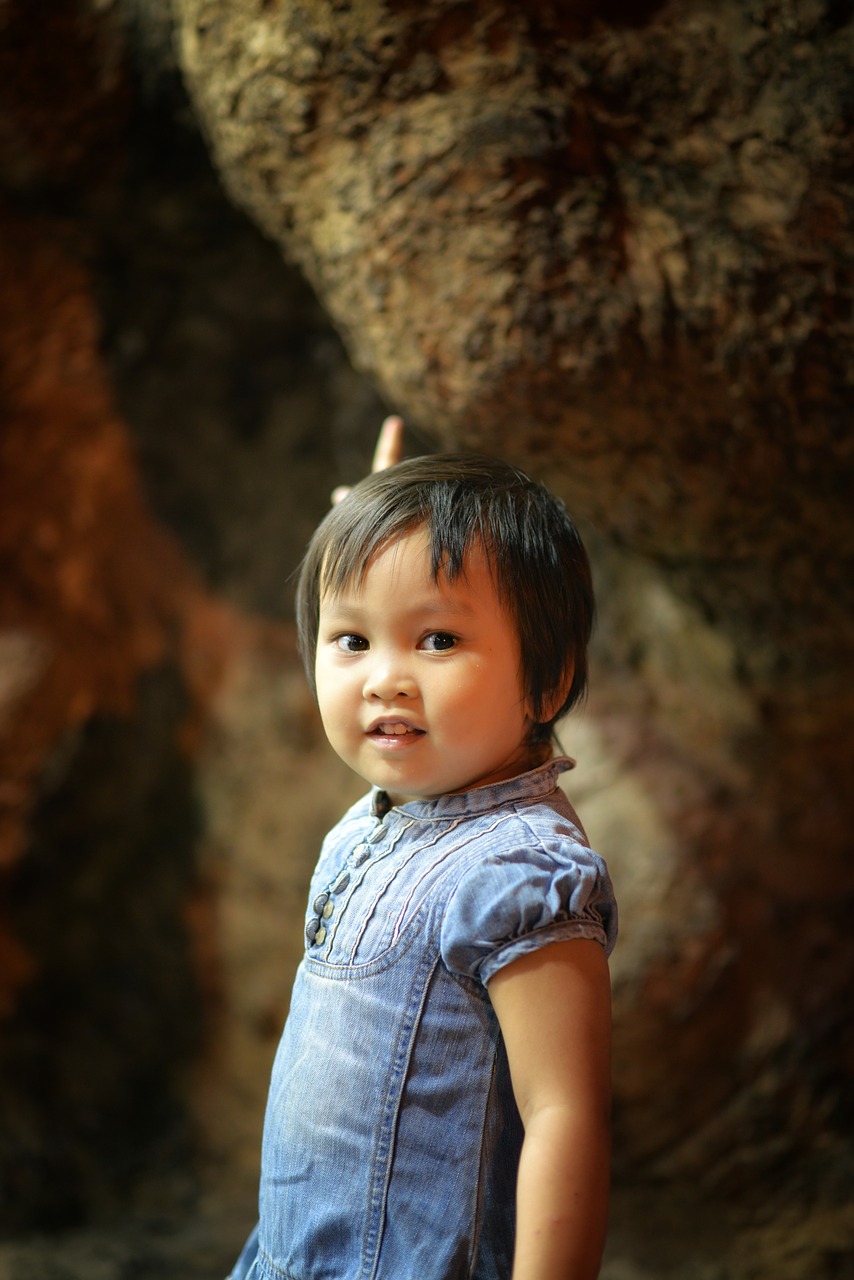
413, 608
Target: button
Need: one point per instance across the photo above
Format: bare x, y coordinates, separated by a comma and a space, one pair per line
320, 902
341, 883
327, 910
311, 930
360, 854
320, 936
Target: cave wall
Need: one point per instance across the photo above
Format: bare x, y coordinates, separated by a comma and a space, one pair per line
616, 245
619, 247
175, 411
109, 648
176, 408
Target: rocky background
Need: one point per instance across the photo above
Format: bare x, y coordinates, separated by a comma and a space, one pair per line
612, 242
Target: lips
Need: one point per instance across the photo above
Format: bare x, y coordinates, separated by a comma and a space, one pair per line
393, 729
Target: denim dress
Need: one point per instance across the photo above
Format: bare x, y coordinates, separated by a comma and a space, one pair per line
391, 1137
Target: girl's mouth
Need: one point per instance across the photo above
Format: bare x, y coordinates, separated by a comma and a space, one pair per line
395, 729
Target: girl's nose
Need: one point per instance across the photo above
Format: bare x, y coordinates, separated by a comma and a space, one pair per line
388, 678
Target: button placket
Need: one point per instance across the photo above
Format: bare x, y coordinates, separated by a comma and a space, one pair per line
323, 905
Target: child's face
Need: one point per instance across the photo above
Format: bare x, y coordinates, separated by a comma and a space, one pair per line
418, 682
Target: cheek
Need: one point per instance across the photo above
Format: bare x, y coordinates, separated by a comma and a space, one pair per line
321, 685
327, 687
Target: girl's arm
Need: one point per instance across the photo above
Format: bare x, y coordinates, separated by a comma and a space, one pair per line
554, 1008
388, 451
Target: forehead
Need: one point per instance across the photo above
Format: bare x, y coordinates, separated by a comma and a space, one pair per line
401, 571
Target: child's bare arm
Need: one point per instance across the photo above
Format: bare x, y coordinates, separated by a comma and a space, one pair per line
389, 448
388, 451
554, 1009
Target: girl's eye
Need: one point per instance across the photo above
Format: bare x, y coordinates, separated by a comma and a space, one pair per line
438, 642
351, 643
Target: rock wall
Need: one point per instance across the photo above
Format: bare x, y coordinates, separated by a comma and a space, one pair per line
109, 650
546, 235
175, 410
615, 245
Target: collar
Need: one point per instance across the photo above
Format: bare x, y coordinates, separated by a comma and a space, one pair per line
533, 785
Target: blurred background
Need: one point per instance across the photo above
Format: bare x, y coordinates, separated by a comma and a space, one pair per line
612, 243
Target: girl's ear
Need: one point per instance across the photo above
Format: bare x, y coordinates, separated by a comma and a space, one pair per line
553, 704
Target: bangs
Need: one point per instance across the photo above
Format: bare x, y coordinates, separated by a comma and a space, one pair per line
450, 538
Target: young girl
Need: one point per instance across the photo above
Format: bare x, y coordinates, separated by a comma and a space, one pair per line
439, 1105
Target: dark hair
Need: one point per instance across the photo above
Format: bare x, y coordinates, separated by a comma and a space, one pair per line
536, 557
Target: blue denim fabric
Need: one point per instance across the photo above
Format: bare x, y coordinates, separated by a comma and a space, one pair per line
391, 1138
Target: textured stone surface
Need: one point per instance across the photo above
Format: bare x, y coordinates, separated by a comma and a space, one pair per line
621, 248
176, 409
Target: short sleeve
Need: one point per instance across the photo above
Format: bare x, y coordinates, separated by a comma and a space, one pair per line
511, 903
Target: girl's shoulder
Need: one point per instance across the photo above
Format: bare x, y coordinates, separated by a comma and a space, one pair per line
531, 878
547, 825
